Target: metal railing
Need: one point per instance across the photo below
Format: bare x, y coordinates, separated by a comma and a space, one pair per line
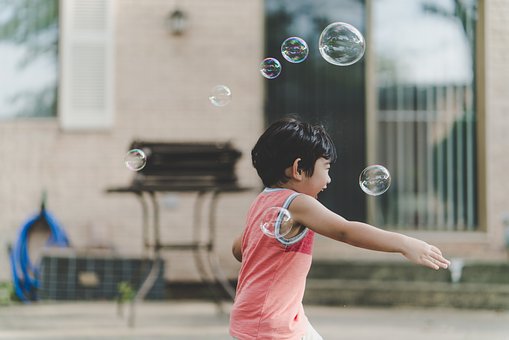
427, 140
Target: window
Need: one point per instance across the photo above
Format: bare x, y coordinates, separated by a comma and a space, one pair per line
57, 60
425, 117
28, 55
320, 92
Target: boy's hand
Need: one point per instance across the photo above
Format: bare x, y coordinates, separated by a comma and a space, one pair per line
236, 248
422, 253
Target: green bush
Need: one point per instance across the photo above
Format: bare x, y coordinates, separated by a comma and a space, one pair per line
125, 292
6, 293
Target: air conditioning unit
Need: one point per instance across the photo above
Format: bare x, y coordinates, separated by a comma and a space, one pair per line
73, 276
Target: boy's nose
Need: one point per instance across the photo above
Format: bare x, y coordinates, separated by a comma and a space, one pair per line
329, 179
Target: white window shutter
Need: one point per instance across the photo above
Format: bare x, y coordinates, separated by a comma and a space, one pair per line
86, 89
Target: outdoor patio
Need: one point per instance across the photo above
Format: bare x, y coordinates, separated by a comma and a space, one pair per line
200, 320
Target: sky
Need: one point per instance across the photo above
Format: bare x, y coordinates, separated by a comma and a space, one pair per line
36, 75
427, 48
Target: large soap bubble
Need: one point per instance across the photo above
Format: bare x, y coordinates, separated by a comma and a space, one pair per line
375, 180
341, 44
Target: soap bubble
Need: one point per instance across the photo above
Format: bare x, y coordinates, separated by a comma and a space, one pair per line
220, 95
276, 222
270, 68
375, 180
135, 159
294, 49
341, 44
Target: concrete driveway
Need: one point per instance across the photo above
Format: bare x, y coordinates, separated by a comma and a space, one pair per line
201, 320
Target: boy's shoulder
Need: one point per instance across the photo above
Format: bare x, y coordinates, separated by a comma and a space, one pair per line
277, 193
277, 190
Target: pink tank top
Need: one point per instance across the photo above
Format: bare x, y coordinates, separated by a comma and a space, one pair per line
272, 278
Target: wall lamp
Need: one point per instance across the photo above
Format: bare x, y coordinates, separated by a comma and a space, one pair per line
176, 22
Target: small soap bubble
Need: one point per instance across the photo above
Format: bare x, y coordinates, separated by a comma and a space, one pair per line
294, 49
135, 159
375, 180
220, 95
276, 222
341, 44
270, 68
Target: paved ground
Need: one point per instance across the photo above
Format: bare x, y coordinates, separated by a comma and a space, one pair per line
200, 320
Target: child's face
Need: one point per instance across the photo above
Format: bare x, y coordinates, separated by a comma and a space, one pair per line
318, 181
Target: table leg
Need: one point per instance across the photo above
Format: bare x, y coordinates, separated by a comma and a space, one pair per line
198, 253
196, 226
155, 269
217, 272
145, 223
144, 289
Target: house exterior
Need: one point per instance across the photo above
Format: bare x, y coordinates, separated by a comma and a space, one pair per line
124, 76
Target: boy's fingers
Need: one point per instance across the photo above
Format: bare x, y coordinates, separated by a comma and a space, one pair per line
431, 263
439, 261
444, 261
437, 255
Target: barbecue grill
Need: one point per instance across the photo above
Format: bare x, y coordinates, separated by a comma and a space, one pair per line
203, 168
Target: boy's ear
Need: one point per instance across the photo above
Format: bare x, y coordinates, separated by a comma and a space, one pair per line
297, 169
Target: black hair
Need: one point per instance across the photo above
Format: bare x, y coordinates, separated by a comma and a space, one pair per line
286, 140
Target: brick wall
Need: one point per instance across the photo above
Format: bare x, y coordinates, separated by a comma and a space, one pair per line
162, 88
496, 117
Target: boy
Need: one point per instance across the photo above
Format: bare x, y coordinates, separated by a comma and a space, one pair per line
293, 159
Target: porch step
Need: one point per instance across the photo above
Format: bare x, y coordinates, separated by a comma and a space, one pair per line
483, 285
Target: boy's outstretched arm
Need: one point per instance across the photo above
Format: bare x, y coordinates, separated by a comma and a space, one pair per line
310, 212
236, 248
